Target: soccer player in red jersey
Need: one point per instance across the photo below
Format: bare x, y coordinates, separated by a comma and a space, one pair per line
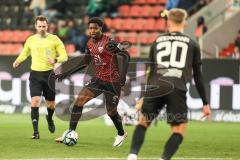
107, 80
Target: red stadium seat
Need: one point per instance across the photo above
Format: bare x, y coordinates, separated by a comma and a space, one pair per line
117, 23
5, 36
155, 11
147, 38
143, 37
9, 49
108, 22
139, 1
132, 37
137, 24
121, 36
149, 24
134, 51
153, 36
16, 36
135, 11
152, 1
25, 35
127, 24
162, 1
160, 25
70, 48
1, 48
17, 48
1, 35
231, 47
123, 10
146, 10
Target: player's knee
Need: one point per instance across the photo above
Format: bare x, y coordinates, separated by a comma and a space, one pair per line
51, 105
179, 129
81, 100
35, 101
144, 122
112, 112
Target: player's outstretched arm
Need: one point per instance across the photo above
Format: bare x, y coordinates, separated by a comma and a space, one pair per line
83, 61
116, 48
125, 61
23, 55
198, 78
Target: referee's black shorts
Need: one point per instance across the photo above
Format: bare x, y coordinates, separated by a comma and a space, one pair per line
176, 107
39, 85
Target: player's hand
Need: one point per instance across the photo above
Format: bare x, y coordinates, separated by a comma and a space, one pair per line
122, 81
139, 104
51, 61
15, 64
60, 77
206, 112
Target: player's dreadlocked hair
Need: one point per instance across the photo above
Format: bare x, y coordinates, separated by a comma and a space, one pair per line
96, 20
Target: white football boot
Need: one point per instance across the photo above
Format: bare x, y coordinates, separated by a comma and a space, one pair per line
132, 157
119, 139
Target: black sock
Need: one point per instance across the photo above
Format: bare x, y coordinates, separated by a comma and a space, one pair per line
117, 121
50, 113
75, 116
172, 145
35, 118
138, 138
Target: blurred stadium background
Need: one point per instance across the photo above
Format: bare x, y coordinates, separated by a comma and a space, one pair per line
215, 24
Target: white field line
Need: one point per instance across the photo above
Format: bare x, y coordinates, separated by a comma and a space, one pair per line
114, 158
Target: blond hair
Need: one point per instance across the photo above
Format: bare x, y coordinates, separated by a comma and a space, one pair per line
177, 15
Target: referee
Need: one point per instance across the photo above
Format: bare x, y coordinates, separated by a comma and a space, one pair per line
46, 50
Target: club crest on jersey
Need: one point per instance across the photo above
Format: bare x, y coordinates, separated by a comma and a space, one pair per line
100, 49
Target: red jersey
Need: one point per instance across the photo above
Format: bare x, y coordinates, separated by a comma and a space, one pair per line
105, 62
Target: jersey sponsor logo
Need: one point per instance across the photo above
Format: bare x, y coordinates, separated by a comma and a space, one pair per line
100, 49
173, 72
115, 99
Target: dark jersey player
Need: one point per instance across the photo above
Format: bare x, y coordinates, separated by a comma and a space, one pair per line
107, 80
174, 56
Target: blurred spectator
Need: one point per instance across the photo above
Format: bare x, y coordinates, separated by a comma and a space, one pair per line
172, 4
237, 41
62, 30
96, 7
201, 27
186, 4
121, 2
203, 3
52, 28
78, 34
56, 10
38, 6
236, 55
112, 8
197, 6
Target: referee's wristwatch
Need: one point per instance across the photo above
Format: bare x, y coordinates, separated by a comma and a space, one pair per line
55, 60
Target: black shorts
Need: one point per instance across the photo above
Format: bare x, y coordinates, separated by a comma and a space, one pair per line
111, 90
39, 85
176, 107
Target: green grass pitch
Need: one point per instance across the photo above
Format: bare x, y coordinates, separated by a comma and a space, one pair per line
203, 140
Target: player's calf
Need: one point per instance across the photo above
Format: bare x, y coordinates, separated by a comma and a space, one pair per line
51, 125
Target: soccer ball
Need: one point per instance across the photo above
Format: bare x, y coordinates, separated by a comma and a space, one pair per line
70, 137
